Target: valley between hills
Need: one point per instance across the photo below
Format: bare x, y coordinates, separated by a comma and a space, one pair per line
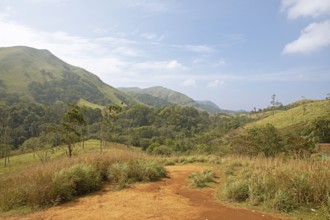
72, 146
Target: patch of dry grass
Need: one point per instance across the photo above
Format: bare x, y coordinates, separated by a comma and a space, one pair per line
281, 185
63, 179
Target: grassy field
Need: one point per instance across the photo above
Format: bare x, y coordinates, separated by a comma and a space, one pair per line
83, 102
91, 146
297, 188
300, 188
296, 117
29, 184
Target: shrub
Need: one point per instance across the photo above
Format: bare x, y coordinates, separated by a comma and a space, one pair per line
82, 178
237, 190
200, 180
135, 171
153, 171
63, 179
283, 185
162, 150
283, 202
118, 174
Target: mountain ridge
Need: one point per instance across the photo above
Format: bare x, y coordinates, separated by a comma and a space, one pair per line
40, 76
165, 95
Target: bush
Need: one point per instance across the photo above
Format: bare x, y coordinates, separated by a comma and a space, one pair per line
62, 180
237, 190
265, 139
283, 202
200, 180
162, 150
135, 171
82, 178
283, 185
118, 174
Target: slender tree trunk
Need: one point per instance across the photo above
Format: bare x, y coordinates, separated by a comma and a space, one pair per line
6, 157
5, 165
70, 150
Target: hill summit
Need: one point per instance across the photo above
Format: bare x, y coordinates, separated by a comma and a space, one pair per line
39, 76
159, 97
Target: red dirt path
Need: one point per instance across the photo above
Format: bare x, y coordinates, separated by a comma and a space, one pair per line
166, 199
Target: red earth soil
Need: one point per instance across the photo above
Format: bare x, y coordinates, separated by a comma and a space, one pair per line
170, 199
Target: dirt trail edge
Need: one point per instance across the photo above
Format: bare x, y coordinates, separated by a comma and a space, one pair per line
166, 199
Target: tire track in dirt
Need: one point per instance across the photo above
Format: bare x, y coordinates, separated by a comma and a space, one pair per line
165, 200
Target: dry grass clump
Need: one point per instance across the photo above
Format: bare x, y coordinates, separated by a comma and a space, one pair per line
63, 179
124, 173
279, 184
202, 179
210, 159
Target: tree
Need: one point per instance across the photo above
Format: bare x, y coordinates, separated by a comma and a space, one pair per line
71, 129
320, 130
266, 140
275, 104
5, 134
328, 96
108, 114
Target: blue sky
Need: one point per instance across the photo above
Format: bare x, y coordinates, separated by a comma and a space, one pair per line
234, 53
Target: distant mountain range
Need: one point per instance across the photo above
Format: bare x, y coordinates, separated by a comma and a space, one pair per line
39, 76
159, 97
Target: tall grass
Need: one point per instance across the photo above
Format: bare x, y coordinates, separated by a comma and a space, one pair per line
63, 179
283, 185
202, 179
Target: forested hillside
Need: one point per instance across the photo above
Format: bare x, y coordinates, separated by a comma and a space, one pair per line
38, 91
39, 76
159, 97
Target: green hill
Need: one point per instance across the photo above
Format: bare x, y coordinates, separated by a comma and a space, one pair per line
296, 118
159, 97
38, 75
209, 106
164, 94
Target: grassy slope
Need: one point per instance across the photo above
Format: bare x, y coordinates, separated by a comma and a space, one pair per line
83, 102
299, 187
298, 117
164, 94
23, 160
20, 66
17, 70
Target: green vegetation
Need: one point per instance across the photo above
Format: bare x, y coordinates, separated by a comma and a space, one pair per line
268, 141
85, 103
46, 79
160, 97
124, 173
200, 180
298, 117
47, 116
63, 179
277, 184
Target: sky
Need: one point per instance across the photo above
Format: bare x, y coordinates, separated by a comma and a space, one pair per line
232, 52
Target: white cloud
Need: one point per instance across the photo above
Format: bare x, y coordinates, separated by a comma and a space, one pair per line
306, 8
161, 65
47, 1
198, 48
215, 83
106, 57
313, 38
189, 83
6, 13
153, 36
220, 62
148, 5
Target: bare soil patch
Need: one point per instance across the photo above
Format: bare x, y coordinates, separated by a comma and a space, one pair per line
170, 198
